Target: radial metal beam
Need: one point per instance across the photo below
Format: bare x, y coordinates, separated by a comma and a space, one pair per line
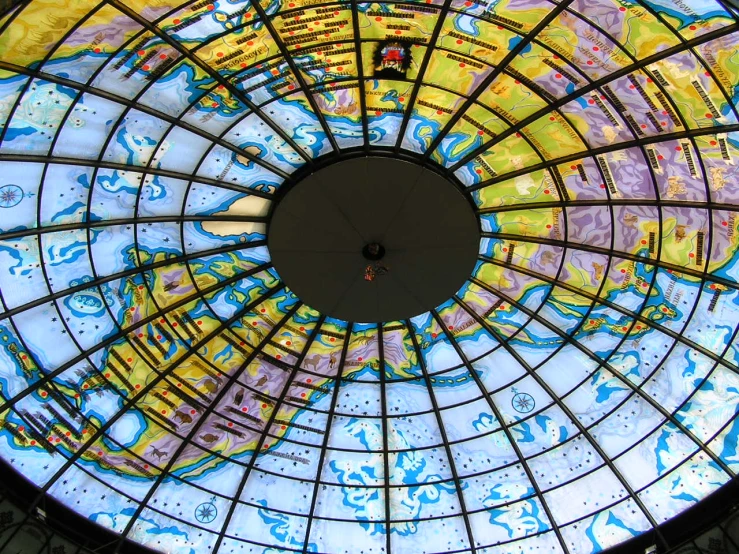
324, 445
655, 202
644, 62
83, 88
102, 223
99, 164
422, 71
121, 334
638, 317
504, 63
385, 435
655, 262
212, 73
133, 271
506, 430
358, 53
568, 339
592, 152
573, 418
187, 440
444, 436
288, 56
130, 403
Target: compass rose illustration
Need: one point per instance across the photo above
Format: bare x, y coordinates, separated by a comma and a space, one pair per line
10, 195
206, 512
522, 402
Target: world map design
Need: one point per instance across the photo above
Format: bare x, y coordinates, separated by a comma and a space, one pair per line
158, 377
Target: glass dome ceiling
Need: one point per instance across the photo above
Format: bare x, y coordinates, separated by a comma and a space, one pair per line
157, 376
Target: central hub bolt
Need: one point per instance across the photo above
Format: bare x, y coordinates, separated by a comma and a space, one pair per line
373, 251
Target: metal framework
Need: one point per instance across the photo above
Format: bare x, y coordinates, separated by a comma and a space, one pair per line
193, 347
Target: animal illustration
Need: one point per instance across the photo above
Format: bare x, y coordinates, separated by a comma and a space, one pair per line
717, 178
518, 162
630, 220
610, 133
211, 386
332, 361
679, 233
675, 186
210, 438
364, 341
158, 453
182, 416
313, 361
524, 183
345, 110
256, 331
171, 286
598, 271
548, 257
239, 398
262, 381
618, 156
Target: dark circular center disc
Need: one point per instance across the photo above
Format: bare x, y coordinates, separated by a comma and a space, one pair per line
374, 239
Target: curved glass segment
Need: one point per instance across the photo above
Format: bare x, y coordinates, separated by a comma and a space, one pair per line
581, 387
